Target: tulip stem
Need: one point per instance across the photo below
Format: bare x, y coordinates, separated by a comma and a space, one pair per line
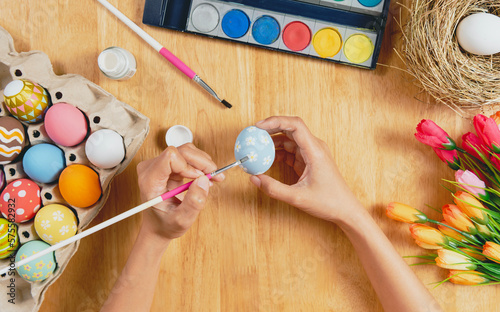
472, 239
462, 150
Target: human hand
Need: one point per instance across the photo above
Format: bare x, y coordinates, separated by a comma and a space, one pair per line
173, 217
320, 191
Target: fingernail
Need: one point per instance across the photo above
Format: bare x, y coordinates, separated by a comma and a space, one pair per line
210, 183
203, 182
199, 172
259, 122
255, 180
222, 176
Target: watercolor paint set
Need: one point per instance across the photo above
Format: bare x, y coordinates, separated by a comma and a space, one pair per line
341, 31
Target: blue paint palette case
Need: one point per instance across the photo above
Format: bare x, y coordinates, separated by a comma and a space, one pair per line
342, 31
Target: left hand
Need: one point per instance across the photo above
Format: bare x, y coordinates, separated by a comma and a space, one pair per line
173, 217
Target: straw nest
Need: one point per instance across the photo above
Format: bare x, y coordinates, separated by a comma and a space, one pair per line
432, 55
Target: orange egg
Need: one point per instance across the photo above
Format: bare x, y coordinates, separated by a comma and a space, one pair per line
79, 186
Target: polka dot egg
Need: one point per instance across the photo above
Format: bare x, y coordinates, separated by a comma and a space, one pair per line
39, 269
55, 223
258, 145
20, 200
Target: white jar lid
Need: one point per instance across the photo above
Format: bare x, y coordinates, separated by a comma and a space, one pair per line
178, 135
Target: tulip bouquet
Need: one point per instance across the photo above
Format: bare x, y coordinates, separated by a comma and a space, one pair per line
467, 240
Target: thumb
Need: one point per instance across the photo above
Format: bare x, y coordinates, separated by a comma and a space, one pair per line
274, 188
197, 194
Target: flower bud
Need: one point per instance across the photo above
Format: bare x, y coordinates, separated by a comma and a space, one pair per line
405, 213
492, 251
448, 259
467, 277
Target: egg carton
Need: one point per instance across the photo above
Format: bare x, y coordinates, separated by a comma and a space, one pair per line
103, 111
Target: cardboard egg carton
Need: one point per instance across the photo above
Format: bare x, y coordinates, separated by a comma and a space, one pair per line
103, 111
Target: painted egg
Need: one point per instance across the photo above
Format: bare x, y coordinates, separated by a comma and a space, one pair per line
44, 162
79, 186
65, 124
2, 179
55, 223
105, 148
20, 200
9, 241
258, 145
12, 139
26, 100
39, 269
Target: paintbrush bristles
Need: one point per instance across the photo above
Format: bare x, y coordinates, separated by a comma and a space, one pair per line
226, 104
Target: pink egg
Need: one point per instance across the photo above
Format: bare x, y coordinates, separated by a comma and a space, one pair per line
65, 124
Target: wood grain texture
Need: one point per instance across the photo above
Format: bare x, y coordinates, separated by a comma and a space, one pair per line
247, 252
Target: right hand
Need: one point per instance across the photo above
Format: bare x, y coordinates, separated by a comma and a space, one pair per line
320, 191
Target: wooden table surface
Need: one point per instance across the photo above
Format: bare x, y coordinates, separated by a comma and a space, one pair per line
247, 252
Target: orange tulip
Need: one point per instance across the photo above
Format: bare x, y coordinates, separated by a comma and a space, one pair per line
428, 236
496, 117
405, 213
457, 219
467, 277
451, 233
426, 246
473, 253
448, 259
492, 251
471, 207
483, 229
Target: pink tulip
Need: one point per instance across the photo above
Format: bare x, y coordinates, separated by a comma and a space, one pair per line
488, 132
449, 157
470, 182
431, 134
472, 144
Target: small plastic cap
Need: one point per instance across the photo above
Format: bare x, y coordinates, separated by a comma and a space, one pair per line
178, 135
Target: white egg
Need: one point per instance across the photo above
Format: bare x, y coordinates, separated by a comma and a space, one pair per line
258, 145
479, 34
105, 148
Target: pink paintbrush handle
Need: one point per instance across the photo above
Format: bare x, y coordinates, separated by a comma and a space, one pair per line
180, 189
177, 63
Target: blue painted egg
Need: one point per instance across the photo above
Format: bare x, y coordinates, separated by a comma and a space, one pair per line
44, 162
38, 269
258, 145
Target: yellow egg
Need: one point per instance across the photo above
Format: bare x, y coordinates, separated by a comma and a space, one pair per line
26, 100
80, 186
55, 223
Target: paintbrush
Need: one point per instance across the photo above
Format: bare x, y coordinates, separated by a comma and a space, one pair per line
119, 217
163, 51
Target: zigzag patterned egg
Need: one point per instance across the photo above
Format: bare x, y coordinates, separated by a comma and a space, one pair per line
26, 100
12, 139
9, 241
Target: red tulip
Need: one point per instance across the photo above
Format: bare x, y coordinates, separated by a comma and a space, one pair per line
472, 144
449, 157
488, 132
431, 134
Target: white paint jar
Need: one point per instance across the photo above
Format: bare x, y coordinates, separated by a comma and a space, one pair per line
117, 63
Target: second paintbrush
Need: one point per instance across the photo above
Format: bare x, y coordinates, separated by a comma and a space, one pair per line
163, 51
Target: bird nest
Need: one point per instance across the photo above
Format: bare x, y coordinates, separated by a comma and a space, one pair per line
432, 55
